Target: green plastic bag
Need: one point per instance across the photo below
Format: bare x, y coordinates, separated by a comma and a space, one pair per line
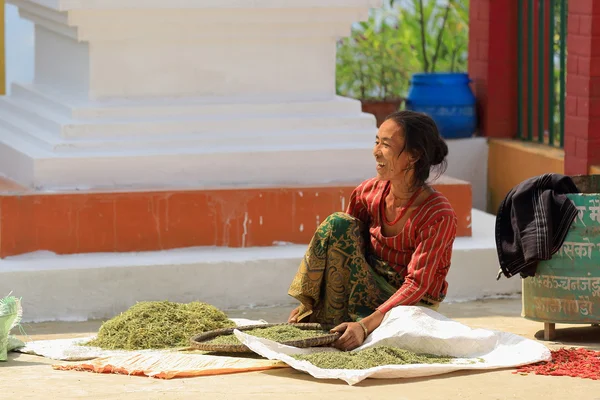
14, 343
10, 316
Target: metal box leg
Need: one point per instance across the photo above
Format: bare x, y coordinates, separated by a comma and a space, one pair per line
549, 331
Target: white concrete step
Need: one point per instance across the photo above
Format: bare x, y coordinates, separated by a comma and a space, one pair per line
84, 109
208, 126
38, 118
13, 125
225, 166
53, 102
70, 142
40, 127
298, 5
96, 286
35, 115
177, 143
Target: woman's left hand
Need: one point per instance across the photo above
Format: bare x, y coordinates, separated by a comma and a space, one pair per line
353, 335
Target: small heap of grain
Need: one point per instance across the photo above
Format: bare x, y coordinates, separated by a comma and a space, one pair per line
280, 334
159, 325
369, 358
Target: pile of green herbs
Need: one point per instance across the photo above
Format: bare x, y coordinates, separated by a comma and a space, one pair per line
159, 325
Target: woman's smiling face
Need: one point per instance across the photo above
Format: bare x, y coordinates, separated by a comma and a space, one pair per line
392, 159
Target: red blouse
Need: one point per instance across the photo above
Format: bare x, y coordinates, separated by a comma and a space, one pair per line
421, 252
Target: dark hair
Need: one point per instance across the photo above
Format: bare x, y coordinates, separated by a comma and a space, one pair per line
422, 139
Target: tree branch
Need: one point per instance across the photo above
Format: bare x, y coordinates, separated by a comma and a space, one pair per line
454, 55
440, 36
423, 43
384, 83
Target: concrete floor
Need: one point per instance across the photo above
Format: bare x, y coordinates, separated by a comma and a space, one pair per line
31, 377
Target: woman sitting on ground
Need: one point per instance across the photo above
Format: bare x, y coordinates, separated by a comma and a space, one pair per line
393, 245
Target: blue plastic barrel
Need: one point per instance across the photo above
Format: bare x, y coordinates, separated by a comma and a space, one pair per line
448, 99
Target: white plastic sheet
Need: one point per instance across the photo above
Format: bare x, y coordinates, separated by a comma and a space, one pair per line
420, 330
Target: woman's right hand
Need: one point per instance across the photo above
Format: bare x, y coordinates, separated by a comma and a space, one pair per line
352, 336
293, 318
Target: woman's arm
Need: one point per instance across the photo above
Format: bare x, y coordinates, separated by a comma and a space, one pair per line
431, 259
357, 206
433, 252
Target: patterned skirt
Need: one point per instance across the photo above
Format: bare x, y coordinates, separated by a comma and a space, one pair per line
337, 281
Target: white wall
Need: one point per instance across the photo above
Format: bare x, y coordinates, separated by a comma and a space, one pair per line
467, 160
19, 47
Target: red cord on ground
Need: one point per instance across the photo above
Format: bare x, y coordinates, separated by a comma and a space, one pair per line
578, 363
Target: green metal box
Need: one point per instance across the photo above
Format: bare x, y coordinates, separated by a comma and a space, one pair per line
566, 289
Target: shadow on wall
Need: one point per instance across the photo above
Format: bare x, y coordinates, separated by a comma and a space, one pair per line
510, 162
19, 48
468, 161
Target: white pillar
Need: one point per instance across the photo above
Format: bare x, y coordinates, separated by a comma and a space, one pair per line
172, 92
